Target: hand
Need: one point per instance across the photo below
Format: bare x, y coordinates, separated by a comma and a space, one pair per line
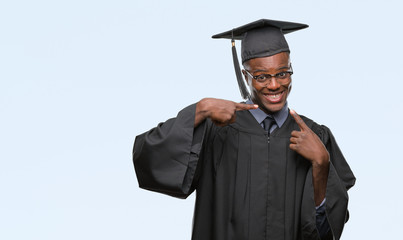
307, 144
221, 112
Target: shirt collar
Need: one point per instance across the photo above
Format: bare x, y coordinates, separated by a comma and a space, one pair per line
279, 116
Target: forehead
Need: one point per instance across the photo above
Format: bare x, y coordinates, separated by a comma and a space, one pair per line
277, 61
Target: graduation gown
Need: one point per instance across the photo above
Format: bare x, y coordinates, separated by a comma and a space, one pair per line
247, 186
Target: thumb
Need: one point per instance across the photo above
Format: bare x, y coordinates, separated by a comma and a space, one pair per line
298, 120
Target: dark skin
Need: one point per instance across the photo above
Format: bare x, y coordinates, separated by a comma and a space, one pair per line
307, 144
271, 97
221, 112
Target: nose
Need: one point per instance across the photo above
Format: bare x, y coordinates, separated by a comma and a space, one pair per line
273, 84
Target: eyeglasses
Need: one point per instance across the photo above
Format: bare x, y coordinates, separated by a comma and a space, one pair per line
281, 77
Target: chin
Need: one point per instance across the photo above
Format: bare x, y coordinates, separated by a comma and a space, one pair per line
270, 107
274, 109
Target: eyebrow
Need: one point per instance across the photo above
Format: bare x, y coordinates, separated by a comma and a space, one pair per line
263, 70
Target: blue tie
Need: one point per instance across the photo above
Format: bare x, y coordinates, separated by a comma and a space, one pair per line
268, 122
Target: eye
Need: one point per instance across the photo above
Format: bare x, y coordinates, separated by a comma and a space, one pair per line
281, 75
260, 78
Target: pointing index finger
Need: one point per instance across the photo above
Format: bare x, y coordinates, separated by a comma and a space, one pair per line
299, 120
244, 106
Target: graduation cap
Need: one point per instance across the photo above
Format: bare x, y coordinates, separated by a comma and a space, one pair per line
262, 38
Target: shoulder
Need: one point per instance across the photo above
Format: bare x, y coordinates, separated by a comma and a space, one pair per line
322, 131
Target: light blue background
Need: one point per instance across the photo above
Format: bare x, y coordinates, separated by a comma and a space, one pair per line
80, 79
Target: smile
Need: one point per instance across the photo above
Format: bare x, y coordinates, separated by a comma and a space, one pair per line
273, 98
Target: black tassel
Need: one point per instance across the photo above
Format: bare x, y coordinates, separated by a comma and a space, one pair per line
241, 82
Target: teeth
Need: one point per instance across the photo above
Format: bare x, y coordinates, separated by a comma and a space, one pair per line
273, 96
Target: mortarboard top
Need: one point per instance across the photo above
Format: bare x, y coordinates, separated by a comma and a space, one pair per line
262, 38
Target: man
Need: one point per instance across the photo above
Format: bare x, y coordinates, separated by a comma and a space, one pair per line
260, 170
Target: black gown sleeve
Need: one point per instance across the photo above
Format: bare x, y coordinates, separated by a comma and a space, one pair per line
340, 179
166, 157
